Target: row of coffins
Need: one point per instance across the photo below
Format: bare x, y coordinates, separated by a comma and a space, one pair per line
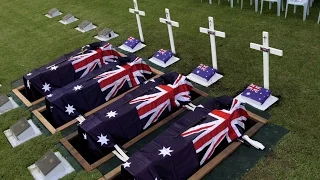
103, 91
122, 120
73, 85
64, 70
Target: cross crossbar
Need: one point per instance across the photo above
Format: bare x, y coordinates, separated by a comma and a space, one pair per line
170, 23
138, 14
266, 50
213, 33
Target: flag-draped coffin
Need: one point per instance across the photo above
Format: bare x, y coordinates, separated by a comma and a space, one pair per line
188, 143
126, 118
68, 68
85, 94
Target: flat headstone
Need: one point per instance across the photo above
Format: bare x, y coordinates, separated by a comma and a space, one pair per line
3, 100
48, 162
106, 34
85, 26
67, 19
7, 104
58, 172
21, 132
54, 12
21, 126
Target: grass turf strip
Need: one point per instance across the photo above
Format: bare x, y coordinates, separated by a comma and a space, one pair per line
29, 40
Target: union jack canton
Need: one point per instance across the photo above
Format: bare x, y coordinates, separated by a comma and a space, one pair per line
127, 73
167, 97
213, 133
89, 61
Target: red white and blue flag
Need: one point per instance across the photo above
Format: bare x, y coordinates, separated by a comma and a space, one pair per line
168, 96
256, 93
127, 73
189, 142
91, 91
69, 68
212, 133
93, 59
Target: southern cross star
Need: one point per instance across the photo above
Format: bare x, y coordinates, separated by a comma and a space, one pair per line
53, 68
50, 95
70, 109
103, 140
111, 114
84, 136
77, 87
46, 87
127, 164
165, 151
29, 74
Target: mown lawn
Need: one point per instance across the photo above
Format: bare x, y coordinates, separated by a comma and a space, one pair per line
29, 40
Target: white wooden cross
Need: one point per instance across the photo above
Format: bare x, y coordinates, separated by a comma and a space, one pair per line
266, 51
138, 14
170, 23
212, 34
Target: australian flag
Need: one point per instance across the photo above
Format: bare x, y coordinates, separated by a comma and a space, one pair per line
68, 68
132, 42
188, 143
136, 111
87, 93
256, 93
163, 55
204, 72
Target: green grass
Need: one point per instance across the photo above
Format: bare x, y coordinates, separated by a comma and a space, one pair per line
29, 40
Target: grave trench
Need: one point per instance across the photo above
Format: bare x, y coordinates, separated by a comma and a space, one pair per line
47, 116
124, 175
77, 141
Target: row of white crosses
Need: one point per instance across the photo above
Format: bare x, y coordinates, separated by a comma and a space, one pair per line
167, 21
212, 33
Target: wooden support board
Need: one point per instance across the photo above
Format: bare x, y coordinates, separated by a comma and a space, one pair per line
17, 92
53, 130
217, 159
89, 167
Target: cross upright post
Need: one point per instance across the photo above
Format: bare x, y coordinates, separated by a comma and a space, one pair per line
170, 23
213, 33
266, 51
138, 14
